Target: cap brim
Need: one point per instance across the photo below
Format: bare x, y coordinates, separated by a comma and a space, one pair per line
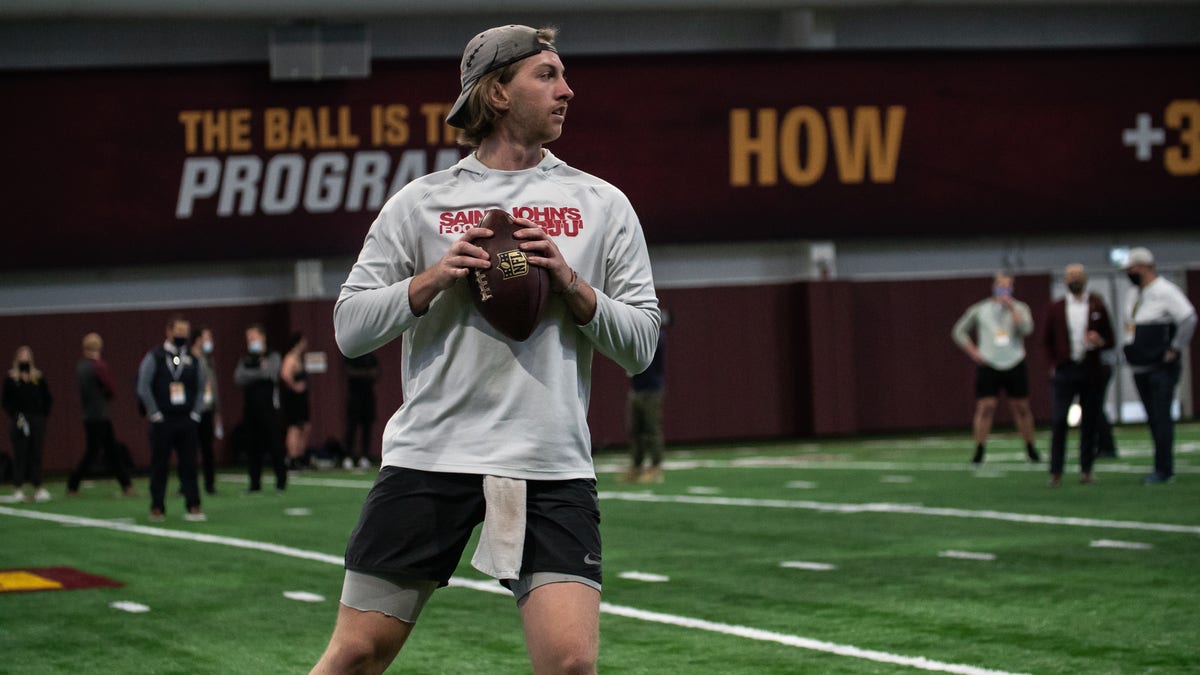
458, 111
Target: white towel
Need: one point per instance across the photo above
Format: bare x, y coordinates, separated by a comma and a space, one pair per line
502, 542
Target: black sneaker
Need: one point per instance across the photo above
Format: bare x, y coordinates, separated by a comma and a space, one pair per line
1033, 455
978, 458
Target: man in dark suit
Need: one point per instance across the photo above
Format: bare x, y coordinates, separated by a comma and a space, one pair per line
1077, 330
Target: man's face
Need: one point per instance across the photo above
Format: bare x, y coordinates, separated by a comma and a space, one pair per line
537, 98
253, 335
1074, 274
179, 329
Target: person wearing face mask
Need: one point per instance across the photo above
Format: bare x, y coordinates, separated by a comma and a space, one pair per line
257, 373
27, 401
210, 417
170, 385
1159, 322
1000, 323
95, 391
1077, 330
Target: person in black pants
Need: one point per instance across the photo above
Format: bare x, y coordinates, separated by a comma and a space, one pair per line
95, 391
1077, 329
361, 373
27, 401
1159, 324
169, 385
257, 373
210, 418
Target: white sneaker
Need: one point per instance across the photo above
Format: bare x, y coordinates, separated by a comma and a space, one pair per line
18, 495
364, 463
195, 516
347, 463
42, 495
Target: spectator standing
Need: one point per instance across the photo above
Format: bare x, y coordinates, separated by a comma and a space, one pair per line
361, 373
211, 427
1000, 324
1159, 323
95, 391
27, 401
644, 416
257, 373
170, 385
293, 398
1077, 329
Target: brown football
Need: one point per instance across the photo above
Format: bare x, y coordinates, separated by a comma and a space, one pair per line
511, 294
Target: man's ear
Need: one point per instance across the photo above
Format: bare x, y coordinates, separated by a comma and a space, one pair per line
497, 95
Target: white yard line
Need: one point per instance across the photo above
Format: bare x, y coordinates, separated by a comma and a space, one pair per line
915, 509
850, 651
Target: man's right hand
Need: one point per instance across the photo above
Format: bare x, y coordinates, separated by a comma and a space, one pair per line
462, 257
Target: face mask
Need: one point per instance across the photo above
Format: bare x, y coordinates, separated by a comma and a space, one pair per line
1001, 291
256, 347
23, 366
1076, 287
206, 347
179, 342
1135, 278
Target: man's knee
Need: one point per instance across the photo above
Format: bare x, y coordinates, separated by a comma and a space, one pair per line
985, 406
356, 653
579, 658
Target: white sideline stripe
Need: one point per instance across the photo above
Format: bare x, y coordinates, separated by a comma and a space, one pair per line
492, 586
174, 534
919, 662
902, 508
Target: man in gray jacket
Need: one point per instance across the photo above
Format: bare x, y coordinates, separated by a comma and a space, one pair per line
1000, 323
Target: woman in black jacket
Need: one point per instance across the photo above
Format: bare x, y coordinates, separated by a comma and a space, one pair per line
27, 401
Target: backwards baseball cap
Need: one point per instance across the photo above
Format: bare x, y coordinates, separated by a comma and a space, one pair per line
1138, 256
491, 50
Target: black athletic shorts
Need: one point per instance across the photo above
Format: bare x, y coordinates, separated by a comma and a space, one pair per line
416, 524
1014, 381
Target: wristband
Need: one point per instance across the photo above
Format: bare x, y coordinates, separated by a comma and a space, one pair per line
571, 287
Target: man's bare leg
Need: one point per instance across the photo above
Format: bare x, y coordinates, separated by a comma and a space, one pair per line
363, 643
562, 628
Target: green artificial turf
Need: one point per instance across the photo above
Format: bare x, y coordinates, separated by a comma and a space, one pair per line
719, 529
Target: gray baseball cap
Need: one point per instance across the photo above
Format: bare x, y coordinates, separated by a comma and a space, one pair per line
491, 50
1138, 256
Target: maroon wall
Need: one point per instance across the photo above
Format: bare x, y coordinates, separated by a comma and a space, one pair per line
885, 143
743, 362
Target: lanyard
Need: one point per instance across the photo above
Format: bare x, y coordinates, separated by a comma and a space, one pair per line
175, 366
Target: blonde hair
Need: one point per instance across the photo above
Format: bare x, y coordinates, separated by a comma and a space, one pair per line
480, 115
92, 342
